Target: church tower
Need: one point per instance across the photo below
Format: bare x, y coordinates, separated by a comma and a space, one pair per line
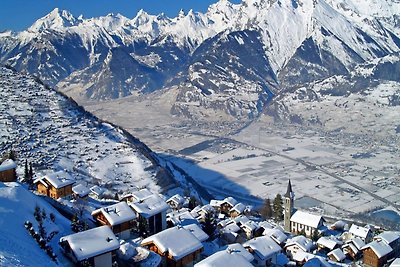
288, 205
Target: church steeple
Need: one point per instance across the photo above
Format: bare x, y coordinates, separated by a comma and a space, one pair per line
288, 212
289, 191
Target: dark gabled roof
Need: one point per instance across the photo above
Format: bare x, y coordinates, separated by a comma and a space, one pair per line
289, 190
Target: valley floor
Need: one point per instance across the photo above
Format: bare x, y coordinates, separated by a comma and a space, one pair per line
338, 174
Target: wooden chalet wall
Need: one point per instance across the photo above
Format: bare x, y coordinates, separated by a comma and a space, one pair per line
8, 176
371, 259
168, 261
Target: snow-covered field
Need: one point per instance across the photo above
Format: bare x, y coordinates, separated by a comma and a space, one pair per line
54, 134
341, 174
18, 248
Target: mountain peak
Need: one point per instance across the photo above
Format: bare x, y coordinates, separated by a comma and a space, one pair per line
56, 19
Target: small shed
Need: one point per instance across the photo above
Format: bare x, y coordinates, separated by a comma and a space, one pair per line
7, 171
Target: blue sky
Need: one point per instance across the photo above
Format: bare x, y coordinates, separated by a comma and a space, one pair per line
18, 15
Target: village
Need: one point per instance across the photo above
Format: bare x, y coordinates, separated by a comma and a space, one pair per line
144, 228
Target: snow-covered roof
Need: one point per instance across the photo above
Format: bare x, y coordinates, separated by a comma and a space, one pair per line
358, 242
329, 242
177, 199
197, 232
263, 246
92, 242
239, 207
80, 190
301, 256
222, 259
207, 208
380, 248
149, 205
182, 217
395, 263
97, 190
177, 241
215, 203
241, 219
306, 218
8, 164
237, 248
277, 235
359, 231
338, 254
117, 213
58, 179
388, 236
141, 194
230, 200
250, 225
265, 225
231, 227
301, 241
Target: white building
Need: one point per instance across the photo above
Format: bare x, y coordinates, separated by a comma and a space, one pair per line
304, 221
95, 246
119, 217
298, 243
264, 249
152, 208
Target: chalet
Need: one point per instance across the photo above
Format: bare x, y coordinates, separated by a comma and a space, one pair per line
225, 205
265, 251
205, 211
152, 208
301, 257
328, 243
303, 221
224, 258
298, 243
196, 230
237, 210
180, 217
392, 239
376, 253
250, 229
177, 246
352, 248
336, 255
119, 217
176, 202
55, 185
94, 247
364, 233
277, 235
80, 191
317, 261
96, 192
230, 232
7, 171
237, 248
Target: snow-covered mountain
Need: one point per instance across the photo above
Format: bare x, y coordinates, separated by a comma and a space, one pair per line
290, 43
51, 131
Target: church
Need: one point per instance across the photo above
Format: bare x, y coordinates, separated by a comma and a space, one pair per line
297, 221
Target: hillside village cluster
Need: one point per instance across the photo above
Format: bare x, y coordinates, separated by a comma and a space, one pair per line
146, 229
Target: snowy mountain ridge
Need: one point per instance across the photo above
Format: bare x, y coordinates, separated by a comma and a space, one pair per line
113, 56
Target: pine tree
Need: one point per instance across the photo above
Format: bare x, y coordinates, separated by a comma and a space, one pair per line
278, 208
192, 203
30, 171
143, 227
12, 155
315, 235
266, 209
209, 225
26, 171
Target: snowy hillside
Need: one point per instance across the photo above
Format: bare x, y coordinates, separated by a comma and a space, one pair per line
295, 42
18, 248
53, 133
